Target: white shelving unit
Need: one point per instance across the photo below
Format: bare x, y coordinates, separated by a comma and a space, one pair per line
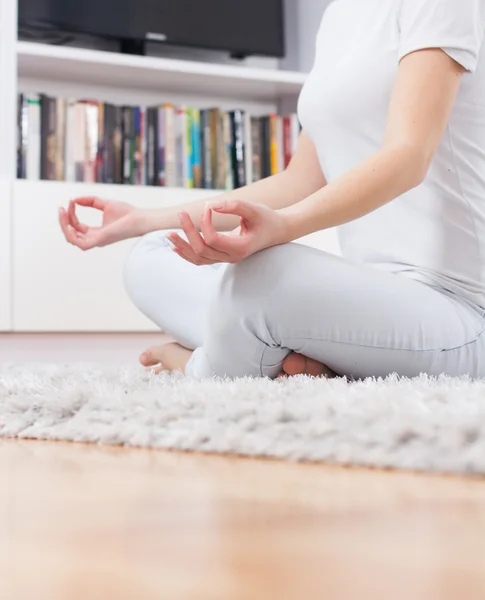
59, 63
45, 284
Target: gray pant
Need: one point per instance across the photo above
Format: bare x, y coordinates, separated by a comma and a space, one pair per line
244, 319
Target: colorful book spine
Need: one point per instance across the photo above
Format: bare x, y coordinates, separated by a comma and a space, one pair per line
196, 149
189, 157
91, 141
170, 156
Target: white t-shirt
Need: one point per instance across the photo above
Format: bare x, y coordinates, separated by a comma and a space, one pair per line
436, 232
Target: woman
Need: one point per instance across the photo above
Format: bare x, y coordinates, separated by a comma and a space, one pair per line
393, 152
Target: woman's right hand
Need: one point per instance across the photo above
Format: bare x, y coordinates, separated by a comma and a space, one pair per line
120, 222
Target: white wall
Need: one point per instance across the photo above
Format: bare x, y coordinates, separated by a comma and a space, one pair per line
303, 19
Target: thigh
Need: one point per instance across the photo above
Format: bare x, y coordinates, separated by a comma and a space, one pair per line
358, 320
171, 292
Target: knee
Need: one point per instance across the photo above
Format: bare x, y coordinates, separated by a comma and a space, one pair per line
137, 271
246, 292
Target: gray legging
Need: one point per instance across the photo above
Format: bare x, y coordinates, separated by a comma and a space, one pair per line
244, 319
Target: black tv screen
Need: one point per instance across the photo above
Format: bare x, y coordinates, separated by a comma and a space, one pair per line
241, 27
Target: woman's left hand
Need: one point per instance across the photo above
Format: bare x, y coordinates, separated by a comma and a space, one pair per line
261, 227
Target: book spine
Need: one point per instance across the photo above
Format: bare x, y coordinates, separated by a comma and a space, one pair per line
100, 164
209, 175
248, 150
280, 144
228, 146
237, 123
296, 130
128, 144
273, 133
118, 144
143, 145
161, 146
48, 145
91, 110
80, 142
214, 117
70, 142
287, 141
256, 148
170, 156
108, 155
137, 146
196, 149
60, 138
33, 138
189, 158
265, 148
22, 134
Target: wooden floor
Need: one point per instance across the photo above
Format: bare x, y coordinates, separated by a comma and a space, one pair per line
88, 523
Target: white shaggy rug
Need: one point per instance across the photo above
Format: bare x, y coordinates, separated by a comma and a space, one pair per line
422, 424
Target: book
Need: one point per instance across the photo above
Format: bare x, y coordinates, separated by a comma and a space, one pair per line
70, 141
189, 156
161, 145
33, 142
273, 144
48, 137
128, 144
248, 154
287, 141
91, 111
170, 150
256, 148
22, 135
60, 133
205, 151
152, 146
238, 148
196, 149
228, 143
165, 145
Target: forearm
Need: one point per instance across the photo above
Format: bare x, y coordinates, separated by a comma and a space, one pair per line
380, 179
277, 192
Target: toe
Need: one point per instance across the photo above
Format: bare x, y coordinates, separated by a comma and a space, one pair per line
294, 364
149, 358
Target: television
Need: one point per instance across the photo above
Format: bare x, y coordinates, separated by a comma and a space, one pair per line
240, 27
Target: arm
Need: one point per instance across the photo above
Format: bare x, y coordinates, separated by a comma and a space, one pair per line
421, 104
302, 178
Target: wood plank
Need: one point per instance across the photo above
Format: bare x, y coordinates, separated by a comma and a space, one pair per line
79, 521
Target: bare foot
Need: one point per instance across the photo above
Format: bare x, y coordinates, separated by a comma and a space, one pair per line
167, 357
297, 364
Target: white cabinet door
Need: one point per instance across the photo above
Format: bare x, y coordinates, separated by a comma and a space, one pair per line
59, 288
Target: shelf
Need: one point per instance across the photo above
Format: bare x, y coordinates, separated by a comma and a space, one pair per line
61, 63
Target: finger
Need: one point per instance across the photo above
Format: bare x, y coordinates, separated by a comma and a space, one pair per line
73, 220
208, 253
91, 202
72, 236
192, 258
190, 230
243, 209
232, 246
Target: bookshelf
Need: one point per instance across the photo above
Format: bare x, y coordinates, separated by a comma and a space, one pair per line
45, 284
156, 74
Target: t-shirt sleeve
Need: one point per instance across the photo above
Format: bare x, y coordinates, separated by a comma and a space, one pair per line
457, 27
